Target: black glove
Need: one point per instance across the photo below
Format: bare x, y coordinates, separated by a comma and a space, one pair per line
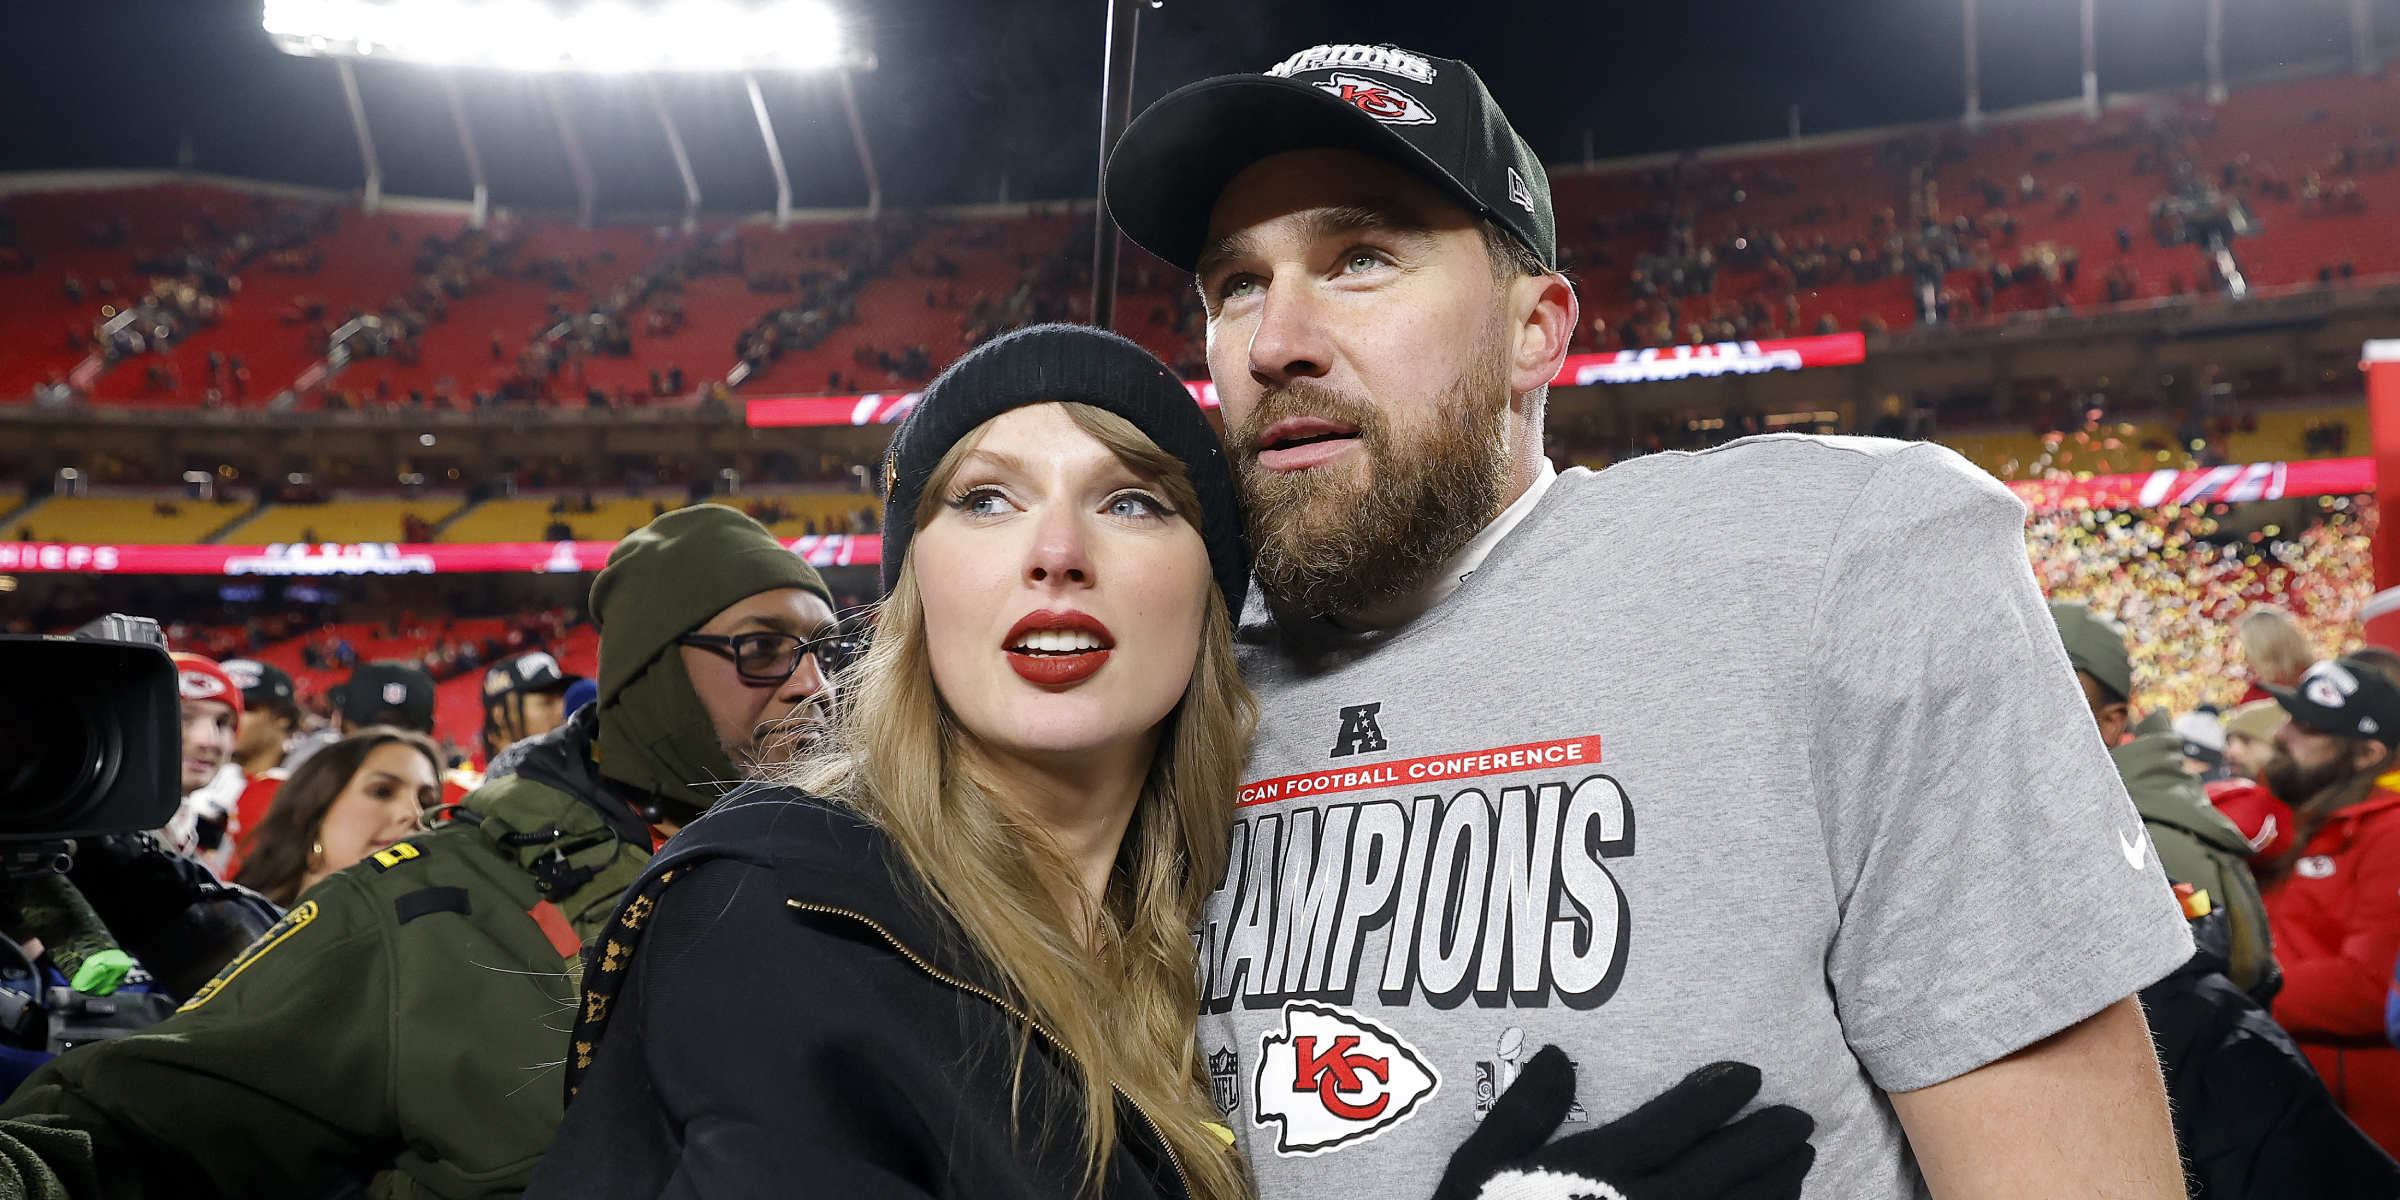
1676, 1147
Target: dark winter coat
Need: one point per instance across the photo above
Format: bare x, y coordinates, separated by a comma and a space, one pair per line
773, 1013
2251, 1115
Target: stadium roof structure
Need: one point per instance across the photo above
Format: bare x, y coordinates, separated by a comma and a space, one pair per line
603, 37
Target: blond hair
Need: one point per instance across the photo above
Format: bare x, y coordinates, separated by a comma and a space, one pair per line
2273, 643
1124, 1014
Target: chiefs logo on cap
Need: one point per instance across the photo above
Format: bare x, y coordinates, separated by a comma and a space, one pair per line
1332, 1078
1379, 100
200, 685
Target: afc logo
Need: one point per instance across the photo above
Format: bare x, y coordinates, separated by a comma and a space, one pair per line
1359, 733
1377, 99
1331, 1078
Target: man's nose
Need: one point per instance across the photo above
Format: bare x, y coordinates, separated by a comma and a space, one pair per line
805, 684
1290, 339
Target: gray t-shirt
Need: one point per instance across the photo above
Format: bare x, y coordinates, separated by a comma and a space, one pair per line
1766, 753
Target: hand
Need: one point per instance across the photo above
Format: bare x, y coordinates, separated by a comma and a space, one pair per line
1676, 1147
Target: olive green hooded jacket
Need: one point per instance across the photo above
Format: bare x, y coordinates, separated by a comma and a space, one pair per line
2196, 844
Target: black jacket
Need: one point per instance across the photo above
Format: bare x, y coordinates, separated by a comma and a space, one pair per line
2252, 1118
772, 1014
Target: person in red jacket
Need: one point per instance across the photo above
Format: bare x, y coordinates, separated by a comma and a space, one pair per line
2333, 900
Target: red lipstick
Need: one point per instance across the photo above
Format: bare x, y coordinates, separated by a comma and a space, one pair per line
1057, 649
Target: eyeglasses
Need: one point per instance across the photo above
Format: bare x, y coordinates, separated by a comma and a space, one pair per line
771, 658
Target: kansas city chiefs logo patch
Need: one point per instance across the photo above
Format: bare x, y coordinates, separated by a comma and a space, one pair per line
1331, 1078
1377, 99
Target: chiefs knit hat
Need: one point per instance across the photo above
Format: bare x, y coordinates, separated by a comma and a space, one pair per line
1071, 363
200, 678
2345, 697
1431, 117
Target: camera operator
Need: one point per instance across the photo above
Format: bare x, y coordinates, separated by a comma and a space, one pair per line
106, 927
398, 1028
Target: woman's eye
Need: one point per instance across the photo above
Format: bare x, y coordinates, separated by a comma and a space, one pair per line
981, 502
1135, 505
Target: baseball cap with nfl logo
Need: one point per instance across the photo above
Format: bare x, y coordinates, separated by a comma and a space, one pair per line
1429, 116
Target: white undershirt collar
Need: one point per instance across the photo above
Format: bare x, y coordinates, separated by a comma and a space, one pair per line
1400, 610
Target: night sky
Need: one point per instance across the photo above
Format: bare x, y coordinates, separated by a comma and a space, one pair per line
972, 91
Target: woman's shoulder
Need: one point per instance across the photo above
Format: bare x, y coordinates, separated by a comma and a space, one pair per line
822, 854
763, 823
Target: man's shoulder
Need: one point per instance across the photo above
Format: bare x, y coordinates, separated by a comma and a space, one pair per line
1792, 470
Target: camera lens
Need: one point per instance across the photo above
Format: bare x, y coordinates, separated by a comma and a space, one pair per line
54, 758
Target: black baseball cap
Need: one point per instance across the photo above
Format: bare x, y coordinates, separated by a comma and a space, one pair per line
261, 683
2345, 697
374, 688
532, 671
1429, 116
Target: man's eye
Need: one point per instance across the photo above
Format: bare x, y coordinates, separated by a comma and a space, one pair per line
1362, 261
1238, 286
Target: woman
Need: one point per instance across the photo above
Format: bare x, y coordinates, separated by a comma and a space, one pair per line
956, 957
2275, 647
348, 801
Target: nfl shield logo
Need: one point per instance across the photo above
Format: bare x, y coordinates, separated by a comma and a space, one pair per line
1224, 1066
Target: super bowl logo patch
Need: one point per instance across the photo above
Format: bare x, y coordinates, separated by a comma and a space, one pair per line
1377, 99
1332, 1078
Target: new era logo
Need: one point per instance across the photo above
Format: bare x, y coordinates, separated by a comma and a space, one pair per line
1377, 99
1517, 190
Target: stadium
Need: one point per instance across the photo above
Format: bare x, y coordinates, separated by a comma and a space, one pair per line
446, 299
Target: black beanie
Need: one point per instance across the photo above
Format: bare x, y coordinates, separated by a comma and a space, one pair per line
1076, 364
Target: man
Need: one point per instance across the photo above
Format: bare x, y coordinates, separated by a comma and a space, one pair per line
2194, 842
1707, 756
523, 697
2334, 898
398, 1029
2203, 737
270, 714
212, 783
270, 722
2264, 819
2250, 737
384, 693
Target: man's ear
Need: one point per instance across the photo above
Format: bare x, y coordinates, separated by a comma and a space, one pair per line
2371, 756
1542, 311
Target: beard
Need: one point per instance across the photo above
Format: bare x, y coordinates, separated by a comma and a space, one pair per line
2297, 785
1338, 539
775, 743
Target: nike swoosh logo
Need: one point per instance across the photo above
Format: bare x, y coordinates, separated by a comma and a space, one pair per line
2137, 850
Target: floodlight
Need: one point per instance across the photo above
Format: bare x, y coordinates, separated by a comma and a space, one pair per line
604, 36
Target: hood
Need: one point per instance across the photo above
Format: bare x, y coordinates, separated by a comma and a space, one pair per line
2152, 766
663, 581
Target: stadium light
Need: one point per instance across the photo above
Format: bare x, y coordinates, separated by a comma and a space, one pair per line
602, 37
606, 37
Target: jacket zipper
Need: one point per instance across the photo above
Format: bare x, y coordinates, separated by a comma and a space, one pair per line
1013, 1011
